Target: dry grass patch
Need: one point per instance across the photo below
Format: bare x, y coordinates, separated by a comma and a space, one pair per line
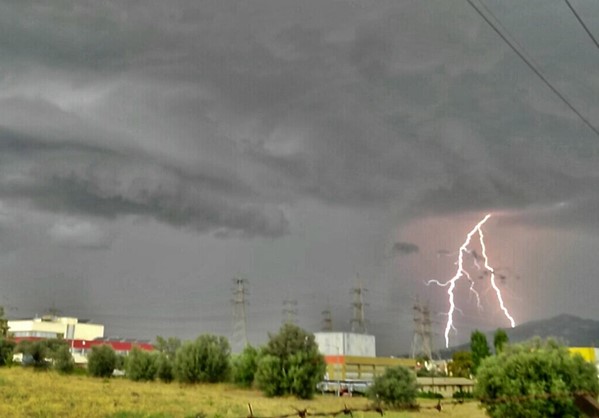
29, 393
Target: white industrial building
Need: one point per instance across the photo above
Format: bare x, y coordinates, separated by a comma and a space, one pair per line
345, 344
50, 326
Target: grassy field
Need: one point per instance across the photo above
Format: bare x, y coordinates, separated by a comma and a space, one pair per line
28, 393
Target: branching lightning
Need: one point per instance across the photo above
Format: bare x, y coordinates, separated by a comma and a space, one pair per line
462, 272
492, 271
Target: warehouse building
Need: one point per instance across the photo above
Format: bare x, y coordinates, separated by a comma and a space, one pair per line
50, 326
81, 335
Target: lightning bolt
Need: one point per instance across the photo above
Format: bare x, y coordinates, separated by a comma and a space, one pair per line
492, 272
462, 272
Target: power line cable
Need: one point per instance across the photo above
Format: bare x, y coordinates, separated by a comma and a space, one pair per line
534, 69
507, 33
587, 30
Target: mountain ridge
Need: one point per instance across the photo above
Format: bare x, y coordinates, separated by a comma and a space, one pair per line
569, 329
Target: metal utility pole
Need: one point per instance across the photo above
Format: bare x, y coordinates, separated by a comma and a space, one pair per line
290, 311
358, 321
239, 339
422, 342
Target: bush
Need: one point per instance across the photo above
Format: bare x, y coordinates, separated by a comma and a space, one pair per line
463, 395
306, 369
244, 367
140, 365
269, 376
430, 395
7, 348
41, 354
101, 361
533, 380
396, 388
204, 360
291, 364
34, 353
479, 347
165, 370
461, 364
63, 360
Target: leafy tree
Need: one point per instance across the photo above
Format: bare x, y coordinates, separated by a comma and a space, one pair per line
3, 324
45, 353
204, 360
121, 361
306, 369
63, 360
292, 364
533, 380
244, 367
42, 353
102, 361
270, 376
396, 388
479, 348
7, 348
165, 369
500, 339
140, 365
461, 364
33, 353
168, 346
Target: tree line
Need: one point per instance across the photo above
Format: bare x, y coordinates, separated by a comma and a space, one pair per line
534, 379
288, 364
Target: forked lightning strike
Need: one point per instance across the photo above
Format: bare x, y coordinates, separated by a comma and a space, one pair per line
461, 272
492, 271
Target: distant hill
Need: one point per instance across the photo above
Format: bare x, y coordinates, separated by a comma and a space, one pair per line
572, 330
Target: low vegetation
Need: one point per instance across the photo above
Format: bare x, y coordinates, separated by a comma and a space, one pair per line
396, 388
534, 379
25, 392
290, 364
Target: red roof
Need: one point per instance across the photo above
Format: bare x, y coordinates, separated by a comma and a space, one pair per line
87, 344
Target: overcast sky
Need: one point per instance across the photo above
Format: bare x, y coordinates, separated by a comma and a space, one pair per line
152, 151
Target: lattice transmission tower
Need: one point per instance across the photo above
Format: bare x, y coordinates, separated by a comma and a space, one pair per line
239, 339
327, 321
422, 344
290, 311
358, 321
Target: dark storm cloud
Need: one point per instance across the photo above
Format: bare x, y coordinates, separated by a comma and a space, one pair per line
404, 105
405, 248
234, 105
236, 118
80, 179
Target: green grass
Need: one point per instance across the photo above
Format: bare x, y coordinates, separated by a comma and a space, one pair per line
28, 393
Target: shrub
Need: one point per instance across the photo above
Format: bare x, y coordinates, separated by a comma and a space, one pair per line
102, 361
535, 379
461, 364
165, 370
7, 348
63, 360
396, 388
46, 353
479, 348
306, 369
430, 395
463, 395
204, 360
269, 376
244, 367
291, 364
140, 365
34, 353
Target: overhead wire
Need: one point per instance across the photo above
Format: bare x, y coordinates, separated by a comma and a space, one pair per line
584, 26
534, 69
